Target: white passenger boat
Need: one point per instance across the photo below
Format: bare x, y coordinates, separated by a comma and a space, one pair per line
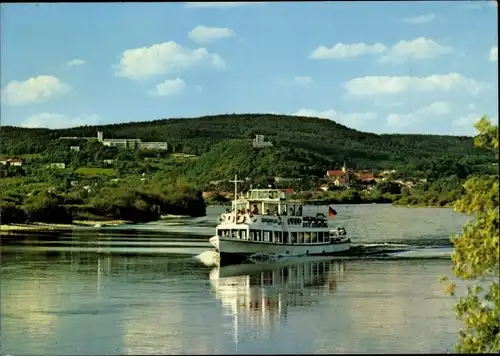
264, 223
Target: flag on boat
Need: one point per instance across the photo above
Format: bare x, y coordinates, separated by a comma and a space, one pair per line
331, 211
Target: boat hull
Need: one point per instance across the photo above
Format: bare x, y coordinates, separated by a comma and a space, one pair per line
233, 248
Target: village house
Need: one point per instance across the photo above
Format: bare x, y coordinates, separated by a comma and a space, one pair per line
17, 162
324, 187
75, 148
339, 177
366, 177
286, 180
59, 165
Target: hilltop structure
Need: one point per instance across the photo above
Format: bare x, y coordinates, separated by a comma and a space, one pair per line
258, 142
130, 143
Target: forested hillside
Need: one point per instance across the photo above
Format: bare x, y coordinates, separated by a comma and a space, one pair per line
100, 182
304, 145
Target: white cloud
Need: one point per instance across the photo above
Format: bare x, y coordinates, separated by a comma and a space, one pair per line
417, 49
356, 120
32, 90
465, 124
164, 58
374, 85
327, 114
493, 54
302, 81
58, 121
467, 121
203, 34
169, 88
418, 20
215, 4
76, 62
342, 51
438, 108
299, 81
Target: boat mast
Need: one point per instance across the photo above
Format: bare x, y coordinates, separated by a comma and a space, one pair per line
235, 181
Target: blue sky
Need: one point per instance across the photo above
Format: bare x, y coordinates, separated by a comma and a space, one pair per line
384, 67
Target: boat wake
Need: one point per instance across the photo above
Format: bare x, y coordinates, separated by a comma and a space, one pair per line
374, 252
401, 250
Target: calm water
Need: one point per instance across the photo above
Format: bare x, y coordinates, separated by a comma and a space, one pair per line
155, 290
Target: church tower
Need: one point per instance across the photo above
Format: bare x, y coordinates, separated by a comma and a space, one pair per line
346, 173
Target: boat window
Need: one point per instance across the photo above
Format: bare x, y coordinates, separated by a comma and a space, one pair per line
283, 209
267, 236
326, 236
267, 278
284, 275
277, 236
294, 237
242, 234
284, 237
301, 238
255, 235
307, 237
225, 233
314, 237
254, 280
322, 269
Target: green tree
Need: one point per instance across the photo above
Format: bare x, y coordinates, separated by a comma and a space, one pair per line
476, 256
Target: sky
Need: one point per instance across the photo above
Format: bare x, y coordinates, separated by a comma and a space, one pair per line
383, 67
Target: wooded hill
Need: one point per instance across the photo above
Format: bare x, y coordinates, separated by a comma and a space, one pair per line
303, 146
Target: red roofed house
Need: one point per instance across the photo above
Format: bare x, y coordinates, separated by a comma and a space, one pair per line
339, 177
364, 176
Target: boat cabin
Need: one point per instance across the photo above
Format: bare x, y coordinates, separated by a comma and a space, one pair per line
267, 202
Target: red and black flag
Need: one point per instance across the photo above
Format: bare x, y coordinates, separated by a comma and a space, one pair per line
331, 211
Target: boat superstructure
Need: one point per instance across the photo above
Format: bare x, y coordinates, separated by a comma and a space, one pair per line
263, 221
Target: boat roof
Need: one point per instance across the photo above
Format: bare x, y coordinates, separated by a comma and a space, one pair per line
266, 194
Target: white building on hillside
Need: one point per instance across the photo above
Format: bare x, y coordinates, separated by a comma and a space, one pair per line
258, 142
131, 143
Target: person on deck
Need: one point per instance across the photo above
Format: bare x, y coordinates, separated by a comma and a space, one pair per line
255, 210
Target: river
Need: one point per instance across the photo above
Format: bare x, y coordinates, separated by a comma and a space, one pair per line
153, 289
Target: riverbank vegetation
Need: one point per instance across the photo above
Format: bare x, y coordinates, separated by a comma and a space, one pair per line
56, 200
476, 256
57, 183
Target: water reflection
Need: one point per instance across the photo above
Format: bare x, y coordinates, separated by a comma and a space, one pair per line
260, 295
96, 303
